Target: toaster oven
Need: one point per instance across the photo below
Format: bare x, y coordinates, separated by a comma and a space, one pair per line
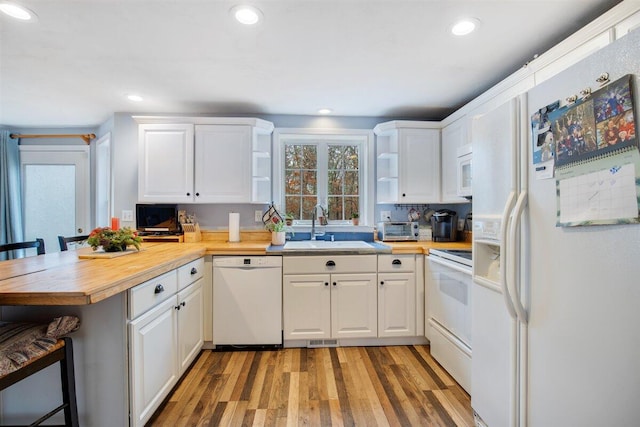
390, 231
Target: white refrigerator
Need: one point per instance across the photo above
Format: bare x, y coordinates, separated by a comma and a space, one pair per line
556, 314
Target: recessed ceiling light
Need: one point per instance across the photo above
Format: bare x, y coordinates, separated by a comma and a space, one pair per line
134, 98
465, 26
247, 15
17, 11
325, 111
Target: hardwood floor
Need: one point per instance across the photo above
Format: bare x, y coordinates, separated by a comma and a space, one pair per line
345, 386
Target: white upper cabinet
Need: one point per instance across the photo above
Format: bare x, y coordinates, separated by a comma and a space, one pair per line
454, 136
408, 162
223, 164
209, 160
165, 163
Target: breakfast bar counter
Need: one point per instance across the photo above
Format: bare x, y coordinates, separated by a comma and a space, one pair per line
66, 279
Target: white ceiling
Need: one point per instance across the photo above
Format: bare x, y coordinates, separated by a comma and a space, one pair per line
385, 58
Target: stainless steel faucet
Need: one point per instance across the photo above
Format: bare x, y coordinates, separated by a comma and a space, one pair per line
313, 221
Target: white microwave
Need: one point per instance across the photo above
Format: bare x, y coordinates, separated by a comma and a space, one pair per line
463, 171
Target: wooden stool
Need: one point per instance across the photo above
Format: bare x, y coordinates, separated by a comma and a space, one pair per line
61, 351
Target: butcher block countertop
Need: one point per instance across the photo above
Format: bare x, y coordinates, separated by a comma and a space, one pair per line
66, 279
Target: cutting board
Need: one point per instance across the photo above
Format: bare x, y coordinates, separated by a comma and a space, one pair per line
88, 253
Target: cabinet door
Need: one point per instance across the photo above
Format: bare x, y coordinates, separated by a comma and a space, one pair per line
165, 163
453, 137
153, 362
190, 324
353, 305
223, 164
419, 166
396, 305
306, 302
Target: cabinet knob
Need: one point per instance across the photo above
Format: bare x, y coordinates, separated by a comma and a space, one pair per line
326, 283
158, 289
382, 282
183, 303
194, 271
396, 262
330, 263
188, 194
404, 194
334, 283
177, 307
197, 194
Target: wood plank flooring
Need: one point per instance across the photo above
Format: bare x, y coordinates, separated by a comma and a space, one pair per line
345, 386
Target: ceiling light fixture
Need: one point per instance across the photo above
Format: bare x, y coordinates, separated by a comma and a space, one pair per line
17, 11
465, 26
247, 15
325, 111
135, 98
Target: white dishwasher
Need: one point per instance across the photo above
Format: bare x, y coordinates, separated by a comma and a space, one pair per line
247, 300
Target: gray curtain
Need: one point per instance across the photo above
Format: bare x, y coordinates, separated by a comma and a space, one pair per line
11, 229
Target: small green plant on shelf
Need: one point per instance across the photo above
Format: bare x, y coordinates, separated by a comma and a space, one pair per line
275, 225
355, 218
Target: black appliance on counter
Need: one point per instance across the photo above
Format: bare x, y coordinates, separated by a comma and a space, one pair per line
157, 219
444, 225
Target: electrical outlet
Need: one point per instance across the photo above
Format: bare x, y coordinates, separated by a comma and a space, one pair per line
385, 216
127, 215
258, 216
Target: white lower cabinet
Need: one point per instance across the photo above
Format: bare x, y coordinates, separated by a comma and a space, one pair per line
329, 297
190, 324
396, 296
165, 335
152, 359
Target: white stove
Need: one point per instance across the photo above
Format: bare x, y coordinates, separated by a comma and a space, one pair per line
449, 280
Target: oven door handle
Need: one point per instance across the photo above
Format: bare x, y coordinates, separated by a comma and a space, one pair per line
451, 264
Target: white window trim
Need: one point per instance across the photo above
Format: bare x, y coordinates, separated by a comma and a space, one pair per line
364, 137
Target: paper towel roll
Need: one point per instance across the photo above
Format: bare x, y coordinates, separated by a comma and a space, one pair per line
234, 227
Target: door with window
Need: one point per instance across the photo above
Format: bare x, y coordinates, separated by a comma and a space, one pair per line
55, 192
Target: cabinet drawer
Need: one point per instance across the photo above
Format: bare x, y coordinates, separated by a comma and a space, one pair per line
152, 292
329, 264
396, 263
189, 273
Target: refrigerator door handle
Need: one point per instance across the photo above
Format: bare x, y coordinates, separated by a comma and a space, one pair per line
504, 247
511, 260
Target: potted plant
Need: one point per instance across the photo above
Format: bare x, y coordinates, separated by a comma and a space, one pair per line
114, 240
355, 218
288, 218
278, 232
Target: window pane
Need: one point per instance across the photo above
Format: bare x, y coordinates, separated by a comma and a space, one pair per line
335, 208
335, 158
308, 203
49, 203
342, 176
309, 157
350, 206
335, 182
293, 205
351, 183
310, 183
292, 183
293, 156
351, 157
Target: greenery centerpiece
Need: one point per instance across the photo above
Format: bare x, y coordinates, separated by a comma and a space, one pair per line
114, 240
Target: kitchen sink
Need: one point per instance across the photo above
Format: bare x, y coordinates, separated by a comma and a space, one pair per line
322, 245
